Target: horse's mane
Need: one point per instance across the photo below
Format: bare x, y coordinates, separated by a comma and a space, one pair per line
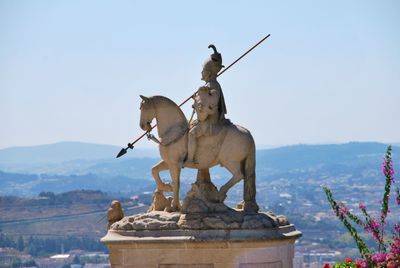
164, 101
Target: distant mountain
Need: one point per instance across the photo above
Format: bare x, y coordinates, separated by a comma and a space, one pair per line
77, 158
313, 156
31, 185
84, 170
23, 159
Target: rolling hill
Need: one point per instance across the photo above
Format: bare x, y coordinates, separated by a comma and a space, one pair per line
71, 166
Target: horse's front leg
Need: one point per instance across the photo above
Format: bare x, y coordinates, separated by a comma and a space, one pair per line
155, 171
236, 170
175, 171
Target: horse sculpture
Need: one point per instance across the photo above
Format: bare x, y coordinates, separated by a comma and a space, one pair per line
231, 147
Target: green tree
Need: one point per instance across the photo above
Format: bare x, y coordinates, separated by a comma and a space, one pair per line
20, 243
76, 260
16, 263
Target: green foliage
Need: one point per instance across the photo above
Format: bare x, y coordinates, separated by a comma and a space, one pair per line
372, 226
6, 241
39, 247
362, 247
387, 169
16, 263
344, 265
76, 260
20, 244
30, 263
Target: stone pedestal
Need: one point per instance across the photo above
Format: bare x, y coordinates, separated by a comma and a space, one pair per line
213, 248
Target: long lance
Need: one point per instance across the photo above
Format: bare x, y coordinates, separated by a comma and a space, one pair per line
130, 145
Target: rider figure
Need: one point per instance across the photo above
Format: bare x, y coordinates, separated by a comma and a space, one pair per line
209, 104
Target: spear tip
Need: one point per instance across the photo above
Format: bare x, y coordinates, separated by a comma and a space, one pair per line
121, 153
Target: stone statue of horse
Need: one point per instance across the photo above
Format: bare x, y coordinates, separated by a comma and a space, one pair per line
231, 147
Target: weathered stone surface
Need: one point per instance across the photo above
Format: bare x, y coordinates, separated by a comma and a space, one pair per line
234, 225
195, 205
114, 213
201, 215
191, 224
160, 202
123, 224
203, 197
282, 220
198, 248
231, 219
214, 223
232, 216
258, 221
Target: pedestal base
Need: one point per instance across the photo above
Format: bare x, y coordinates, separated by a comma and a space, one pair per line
272, 248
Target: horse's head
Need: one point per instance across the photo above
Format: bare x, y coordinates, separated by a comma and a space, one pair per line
147, 113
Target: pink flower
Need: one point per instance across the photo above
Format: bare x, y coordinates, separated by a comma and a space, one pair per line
362, 206
379, 257
393, 264
373, 227
361, 263
387, 169
343, 210
397, 228
395, 248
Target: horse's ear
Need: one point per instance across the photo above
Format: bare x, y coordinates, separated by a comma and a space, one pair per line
144, 98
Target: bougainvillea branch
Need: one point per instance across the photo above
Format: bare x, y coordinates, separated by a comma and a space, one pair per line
362, 247
354, 218
384, 257
372, 226
388, 172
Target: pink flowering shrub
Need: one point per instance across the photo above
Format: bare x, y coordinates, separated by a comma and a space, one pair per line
388, 254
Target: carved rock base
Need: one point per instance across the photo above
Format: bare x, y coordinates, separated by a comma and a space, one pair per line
228, 220
202, 240
204, 234
203, 197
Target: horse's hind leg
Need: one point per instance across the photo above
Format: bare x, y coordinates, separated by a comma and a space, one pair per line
175, 171
155, 171
236, 169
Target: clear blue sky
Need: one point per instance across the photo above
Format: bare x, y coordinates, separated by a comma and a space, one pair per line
73, 70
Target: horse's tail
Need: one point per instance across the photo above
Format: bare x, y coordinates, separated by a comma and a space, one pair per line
249, 190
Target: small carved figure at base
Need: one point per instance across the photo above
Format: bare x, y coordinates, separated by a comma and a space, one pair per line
114, 213
160, 202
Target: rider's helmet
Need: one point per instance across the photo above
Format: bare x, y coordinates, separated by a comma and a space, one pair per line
213, 64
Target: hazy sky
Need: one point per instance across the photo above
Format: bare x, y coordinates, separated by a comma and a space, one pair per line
73, 70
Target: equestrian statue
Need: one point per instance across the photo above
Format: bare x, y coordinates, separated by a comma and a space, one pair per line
208, 141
